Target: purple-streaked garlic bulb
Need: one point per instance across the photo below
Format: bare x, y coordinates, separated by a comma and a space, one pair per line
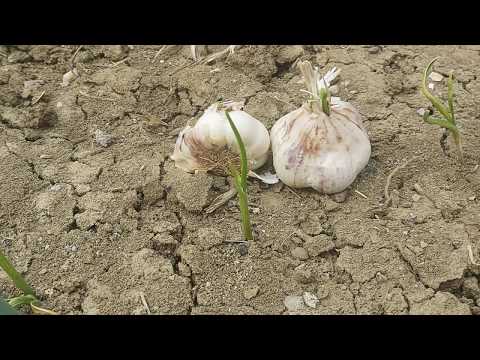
323, 144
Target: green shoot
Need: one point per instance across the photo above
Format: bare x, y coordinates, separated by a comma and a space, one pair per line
448, 121
15, 275
240, 181
6, 308
28, 297
325, 98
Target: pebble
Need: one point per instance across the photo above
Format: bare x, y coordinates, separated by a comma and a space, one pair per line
251, 292
423, 244
310, 300
434, 76
421, 111
103, 139
374, 49
300, 253
43, 271
472, 198
294, 303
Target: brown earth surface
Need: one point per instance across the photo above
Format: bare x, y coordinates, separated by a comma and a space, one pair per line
96, 217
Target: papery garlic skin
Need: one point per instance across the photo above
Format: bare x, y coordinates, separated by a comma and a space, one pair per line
324, 152
206, 145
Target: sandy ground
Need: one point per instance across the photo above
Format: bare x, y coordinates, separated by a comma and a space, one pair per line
95, 215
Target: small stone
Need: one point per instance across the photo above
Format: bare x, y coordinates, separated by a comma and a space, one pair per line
434, 76
423, 244
421, 111
300, 253
374, 50
251, 292
310, 300
294, 303
431, 86
103, 139
472, 198
416, 197
43, 271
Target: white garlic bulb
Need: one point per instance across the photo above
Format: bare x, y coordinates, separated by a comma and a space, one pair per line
323, 144
211, 144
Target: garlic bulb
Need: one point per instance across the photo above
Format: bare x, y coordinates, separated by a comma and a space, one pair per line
211, 145
323, 144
